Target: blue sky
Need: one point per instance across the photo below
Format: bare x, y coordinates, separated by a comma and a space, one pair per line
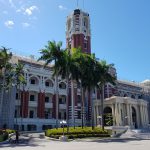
120, 30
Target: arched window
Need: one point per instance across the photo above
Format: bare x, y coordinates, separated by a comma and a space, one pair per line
49, 83
125, 95
132, 96
62, 99
62, 85
34, 81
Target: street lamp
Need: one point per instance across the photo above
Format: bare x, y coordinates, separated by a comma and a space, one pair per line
126, 122
100, 119
63, 122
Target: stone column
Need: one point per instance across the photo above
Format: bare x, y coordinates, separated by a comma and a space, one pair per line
113, 113
118, 110
141, 115
147, 120
138, 116
116, 114
145, 115
128, 114
131, 121
97, 114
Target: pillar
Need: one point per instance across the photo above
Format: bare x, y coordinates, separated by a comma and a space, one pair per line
24, 104
41, 105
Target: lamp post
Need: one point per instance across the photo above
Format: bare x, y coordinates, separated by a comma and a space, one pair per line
100, 119
126, 122
63, 122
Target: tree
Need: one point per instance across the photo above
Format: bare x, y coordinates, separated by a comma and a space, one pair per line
67, 68
52, 52
105, 77
86, 66
5, 73
18, 80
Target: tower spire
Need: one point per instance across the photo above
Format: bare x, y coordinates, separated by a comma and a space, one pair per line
77, 3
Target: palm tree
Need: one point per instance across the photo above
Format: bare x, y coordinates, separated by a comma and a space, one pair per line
5, 69
68, 69
52, 52
18, 80
105, 77
86, 67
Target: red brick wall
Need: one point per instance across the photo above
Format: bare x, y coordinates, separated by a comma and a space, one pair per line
41, 105
24, 104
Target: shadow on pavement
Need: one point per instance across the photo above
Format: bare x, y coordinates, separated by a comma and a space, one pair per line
120, 140
22, 143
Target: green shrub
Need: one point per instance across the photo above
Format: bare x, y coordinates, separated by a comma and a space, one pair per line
3, 136
78, 132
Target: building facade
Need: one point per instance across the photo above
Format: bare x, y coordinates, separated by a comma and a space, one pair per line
33, 106
129, 106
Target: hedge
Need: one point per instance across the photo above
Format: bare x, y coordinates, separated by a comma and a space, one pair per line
4, 134
78, 132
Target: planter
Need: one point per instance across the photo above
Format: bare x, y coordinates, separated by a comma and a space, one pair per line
63, 138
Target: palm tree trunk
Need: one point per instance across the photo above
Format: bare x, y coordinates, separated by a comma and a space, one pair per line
2, 94
102, 107
72, 102
82, 106
57, 100
92, 110
67, 105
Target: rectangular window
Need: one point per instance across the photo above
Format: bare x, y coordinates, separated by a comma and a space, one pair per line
60, 115
17, 96
32, 98
32, 81
46, 99
47, 84
15, 113
46, 115
31, 114
60, 100
79, 114
85, 45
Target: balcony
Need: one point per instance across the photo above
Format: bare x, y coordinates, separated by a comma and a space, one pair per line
33, 103
49, 90
48, 105
62, 91
35, 121
34, 87
62, 106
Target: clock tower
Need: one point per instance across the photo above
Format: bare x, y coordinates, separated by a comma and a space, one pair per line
78, 32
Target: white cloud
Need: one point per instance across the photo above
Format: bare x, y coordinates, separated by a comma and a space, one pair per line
25, 24
9, 23
29, 11
61, 7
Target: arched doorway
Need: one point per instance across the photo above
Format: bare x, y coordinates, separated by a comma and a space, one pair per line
134, 119
108, 118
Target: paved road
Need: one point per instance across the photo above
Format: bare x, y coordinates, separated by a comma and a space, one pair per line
37, 142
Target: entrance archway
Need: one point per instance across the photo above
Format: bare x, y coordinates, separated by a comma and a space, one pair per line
108, 118
134, 118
